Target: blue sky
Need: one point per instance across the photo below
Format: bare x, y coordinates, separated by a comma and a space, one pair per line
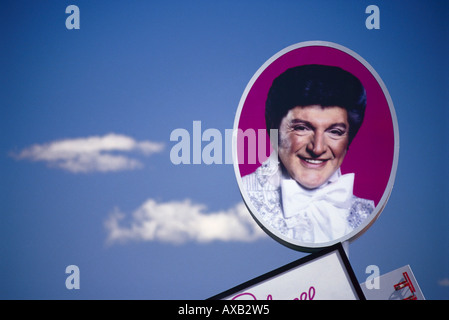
86, 117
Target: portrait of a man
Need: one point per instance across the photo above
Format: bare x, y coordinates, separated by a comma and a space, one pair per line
299, 190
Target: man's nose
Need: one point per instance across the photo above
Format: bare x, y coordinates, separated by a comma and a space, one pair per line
317, 145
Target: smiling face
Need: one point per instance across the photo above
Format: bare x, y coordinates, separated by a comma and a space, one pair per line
313, 141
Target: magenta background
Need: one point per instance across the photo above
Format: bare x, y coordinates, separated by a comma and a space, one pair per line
370, 154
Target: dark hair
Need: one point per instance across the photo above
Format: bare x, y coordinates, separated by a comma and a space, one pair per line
316, 85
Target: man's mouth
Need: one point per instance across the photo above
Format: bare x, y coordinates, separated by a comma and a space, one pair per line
313, 163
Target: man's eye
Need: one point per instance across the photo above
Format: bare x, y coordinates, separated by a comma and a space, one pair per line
300, 128
337, 132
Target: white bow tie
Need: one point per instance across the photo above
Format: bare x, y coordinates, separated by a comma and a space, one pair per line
295, 198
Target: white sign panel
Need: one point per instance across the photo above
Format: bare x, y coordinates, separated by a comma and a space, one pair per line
326, 275
399, 284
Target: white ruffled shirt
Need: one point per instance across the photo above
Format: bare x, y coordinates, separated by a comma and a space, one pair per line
311, 216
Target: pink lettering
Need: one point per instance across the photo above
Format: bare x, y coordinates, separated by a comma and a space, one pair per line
304, 295
309, 295
244, 294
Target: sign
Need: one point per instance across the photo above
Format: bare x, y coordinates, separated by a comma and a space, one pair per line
399, 284
316, 114
325, 275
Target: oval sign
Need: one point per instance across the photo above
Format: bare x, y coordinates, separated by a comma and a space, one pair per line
315, 145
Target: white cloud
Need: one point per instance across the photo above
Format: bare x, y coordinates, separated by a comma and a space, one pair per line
179, 222
443, 282
96, 153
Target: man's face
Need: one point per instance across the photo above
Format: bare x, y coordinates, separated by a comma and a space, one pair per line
313, 142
